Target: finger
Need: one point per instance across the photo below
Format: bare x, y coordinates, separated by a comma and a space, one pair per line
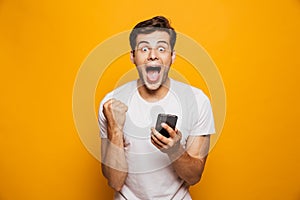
158, 138
119, 105
110, 104
115, 103
155, 142
178, 132
171, 132
160, 145
125, 108
111, 101
107, 103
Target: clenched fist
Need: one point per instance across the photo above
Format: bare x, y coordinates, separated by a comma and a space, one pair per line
115, 113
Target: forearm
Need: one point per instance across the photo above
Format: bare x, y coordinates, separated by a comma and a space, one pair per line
115, 177
114, 165
188, 168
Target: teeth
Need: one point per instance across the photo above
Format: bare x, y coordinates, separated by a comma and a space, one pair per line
153, 69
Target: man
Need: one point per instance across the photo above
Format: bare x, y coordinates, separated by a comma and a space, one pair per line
138, 161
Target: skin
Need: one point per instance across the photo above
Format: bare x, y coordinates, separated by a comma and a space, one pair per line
152, 50
112, 152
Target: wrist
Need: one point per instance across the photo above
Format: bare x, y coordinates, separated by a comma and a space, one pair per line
175, 152
115, 135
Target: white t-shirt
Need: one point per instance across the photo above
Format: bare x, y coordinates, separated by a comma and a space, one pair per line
150, 173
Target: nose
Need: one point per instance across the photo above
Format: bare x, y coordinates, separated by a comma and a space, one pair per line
152, 54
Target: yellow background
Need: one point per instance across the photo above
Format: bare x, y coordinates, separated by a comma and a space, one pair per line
255, 44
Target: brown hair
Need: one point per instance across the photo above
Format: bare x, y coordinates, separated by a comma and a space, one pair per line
158, 23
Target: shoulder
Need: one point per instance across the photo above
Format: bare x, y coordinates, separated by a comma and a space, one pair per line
122, 92
188, 91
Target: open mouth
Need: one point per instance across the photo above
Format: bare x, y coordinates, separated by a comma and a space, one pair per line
149, 69
153, 73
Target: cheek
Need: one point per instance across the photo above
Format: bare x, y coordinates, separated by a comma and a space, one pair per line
140, 70
167, 60
139, 61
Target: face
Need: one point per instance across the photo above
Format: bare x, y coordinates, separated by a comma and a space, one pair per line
153, 57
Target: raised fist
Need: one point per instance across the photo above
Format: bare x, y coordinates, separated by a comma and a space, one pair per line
115, 113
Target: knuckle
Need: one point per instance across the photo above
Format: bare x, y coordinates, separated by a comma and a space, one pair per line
160, 137
105, 106
108, 103
110, 106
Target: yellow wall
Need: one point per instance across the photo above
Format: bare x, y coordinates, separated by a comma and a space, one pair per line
255, 44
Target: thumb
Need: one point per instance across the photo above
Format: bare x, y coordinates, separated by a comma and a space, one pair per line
171, 132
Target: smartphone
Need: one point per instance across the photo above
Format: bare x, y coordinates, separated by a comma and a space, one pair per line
168, 119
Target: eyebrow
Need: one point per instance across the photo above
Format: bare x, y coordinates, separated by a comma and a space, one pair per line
162, 41
146, 42
142, 42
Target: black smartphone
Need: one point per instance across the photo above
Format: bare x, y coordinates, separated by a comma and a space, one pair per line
169, 119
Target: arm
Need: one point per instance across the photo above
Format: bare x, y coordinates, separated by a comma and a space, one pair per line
188, 163
114, 165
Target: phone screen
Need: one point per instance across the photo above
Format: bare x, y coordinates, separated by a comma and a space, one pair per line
169, 119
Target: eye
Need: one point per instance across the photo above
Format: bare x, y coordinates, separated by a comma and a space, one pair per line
145, 49
161, 49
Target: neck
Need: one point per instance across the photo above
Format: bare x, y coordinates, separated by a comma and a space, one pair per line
153, 95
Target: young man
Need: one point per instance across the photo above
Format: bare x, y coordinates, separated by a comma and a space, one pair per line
138, 161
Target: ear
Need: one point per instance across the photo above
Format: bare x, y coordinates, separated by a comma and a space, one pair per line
132, 56
173, 56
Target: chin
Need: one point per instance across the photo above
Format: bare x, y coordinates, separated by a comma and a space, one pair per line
152, 86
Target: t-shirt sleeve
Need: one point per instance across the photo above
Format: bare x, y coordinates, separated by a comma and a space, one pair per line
102, 121
203, 121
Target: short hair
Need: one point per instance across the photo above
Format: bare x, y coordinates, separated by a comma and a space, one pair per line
158, 23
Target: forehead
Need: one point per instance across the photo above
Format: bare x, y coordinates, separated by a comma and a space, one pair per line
153, 38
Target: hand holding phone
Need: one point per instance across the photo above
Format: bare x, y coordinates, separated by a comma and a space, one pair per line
169, 119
